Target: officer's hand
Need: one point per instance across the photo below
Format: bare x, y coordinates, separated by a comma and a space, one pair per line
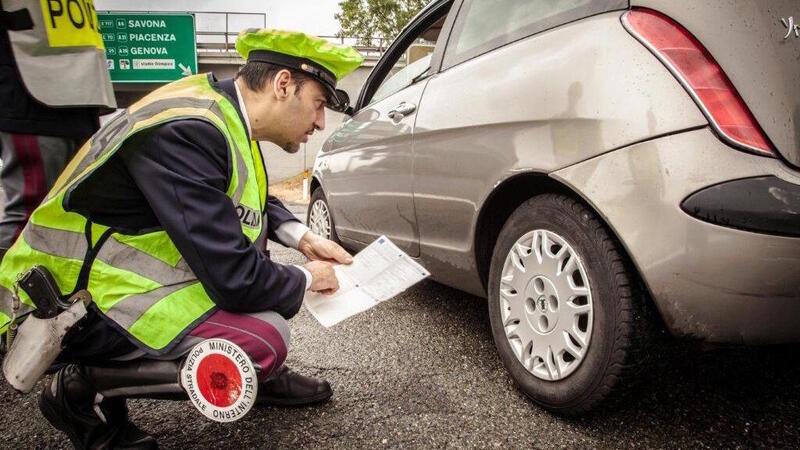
323, 278
317, 248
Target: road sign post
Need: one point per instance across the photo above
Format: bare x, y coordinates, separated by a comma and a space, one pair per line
148, 48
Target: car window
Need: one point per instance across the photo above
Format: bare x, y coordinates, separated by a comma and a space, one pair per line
405, 76
483, 25
410, 64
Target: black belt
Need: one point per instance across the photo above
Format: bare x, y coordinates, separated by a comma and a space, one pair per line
304, 64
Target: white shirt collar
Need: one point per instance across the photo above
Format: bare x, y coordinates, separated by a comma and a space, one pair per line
243, 109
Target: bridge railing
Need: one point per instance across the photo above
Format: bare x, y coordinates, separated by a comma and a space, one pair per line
369, 47
217, 31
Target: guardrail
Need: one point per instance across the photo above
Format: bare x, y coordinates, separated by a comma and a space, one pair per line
219, 38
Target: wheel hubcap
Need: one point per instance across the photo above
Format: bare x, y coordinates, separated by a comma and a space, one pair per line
546, 305
320, 219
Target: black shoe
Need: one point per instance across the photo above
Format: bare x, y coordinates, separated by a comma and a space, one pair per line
288, 388
70, 404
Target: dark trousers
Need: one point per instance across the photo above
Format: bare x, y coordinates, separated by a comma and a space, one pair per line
31, 164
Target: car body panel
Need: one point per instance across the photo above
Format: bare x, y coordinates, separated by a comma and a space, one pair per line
747, 38
470, 137
588, 106
366, 168
709, 282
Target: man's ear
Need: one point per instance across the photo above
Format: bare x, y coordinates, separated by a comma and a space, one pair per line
282, 83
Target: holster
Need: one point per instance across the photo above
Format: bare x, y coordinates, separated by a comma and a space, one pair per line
37, 343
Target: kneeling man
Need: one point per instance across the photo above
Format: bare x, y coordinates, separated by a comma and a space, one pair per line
163, 216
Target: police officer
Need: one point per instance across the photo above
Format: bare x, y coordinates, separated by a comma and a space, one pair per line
164, 215
53, 82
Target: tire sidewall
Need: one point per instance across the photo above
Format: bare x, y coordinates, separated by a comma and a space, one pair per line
319, 195
575, 226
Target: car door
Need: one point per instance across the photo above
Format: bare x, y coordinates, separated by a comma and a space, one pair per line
477, 120
367, 162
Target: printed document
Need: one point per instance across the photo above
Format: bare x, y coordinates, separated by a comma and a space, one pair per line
378, 273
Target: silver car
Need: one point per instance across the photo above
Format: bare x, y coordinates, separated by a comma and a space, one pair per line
598, 169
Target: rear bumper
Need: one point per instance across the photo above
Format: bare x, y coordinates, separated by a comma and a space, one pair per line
732, 283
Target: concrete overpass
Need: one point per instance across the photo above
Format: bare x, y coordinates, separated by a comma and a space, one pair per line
216, 53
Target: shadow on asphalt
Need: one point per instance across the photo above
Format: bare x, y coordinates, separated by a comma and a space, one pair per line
745, 394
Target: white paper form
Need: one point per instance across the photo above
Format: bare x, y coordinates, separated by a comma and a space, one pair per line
378, 273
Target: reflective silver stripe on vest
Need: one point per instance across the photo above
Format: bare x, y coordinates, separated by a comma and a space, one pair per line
128, 310
69, 244
110, 135
6, 304
119, 127
122, 256
66, 244
241, 171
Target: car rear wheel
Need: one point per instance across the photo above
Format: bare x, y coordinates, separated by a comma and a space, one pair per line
319, 218
561, 304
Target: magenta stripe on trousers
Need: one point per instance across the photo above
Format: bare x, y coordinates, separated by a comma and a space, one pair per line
260, 339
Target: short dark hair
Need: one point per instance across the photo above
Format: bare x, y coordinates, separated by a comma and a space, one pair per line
257, 74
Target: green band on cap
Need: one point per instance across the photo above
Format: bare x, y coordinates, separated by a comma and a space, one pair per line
336, 59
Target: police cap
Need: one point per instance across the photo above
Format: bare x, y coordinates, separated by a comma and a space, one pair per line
320, 59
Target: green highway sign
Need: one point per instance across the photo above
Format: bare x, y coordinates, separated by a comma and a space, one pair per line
148, 48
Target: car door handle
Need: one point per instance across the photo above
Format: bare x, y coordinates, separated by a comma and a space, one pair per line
402, 110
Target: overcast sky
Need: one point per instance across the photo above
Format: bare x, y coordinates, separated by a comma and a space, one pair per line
310, 16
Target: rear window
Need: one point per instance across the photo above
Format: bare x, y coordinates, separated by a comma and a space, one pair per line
483, 25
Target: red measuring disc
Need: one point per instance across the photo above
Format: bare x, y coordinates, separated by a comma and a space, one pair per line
220, 380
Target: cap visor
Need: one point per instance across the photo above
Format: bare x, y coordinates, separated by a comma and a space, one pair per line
338, 100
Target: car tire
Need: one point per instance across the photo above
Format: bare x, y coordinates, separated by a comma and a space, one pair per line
319, 217
611, 325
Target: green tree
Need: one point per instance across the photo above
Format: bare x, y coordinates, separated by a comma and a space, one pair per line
365, 19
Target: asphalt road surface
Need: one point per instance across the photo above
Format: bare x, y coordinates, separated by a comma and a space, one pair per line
420, 371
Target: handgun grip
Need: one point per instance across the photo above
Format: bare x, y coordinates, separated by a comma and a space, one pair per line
43, 290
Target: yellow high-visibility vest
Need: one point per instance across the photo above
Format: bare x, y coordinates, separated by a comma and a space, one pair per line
139, 282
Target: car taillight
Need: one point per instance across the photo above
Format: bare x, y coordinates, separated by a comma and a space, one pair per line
701, 76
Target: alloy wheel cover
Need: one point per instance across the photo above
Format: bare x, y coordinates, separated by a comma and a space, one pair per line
546, 305
320, 219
